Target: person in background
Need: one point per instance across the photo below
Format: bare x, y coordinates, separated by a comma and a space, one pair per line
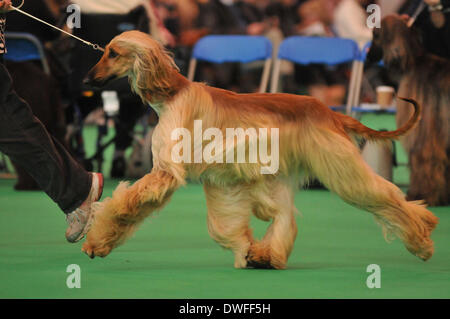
350, 20
57, 7
20, 23
25, 140
316, 17
433, 24
325, 84
389, 7
205, 17
40, 90
219, 17
285, 14
253, 17
156, 27
166, 11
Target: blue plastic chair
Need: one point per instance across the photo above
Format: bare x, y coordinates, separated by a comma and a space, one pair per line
318, 50
25, 47
360, 73
233, 48
365, 51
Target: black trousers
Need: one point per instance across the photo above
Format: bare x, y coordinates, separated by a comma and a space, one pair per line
26, 141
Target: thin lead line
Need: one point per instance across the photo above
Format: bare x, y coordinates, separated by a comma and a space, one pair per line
95, 46
416, 14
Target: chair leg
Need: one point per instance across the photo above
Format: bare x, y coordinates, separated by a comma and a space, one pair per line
275, 76
351, 90
192, 67
265, 76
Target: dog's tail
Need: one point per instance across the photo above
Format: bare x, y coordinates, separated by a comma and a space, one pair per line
355, 127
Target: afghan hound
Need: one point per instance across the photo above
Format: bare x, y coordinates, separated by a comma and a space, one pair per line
313, 142
426, 79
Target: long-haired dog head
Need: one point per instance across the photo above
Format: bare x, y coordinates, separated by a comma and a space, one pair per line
146, 63
396, 43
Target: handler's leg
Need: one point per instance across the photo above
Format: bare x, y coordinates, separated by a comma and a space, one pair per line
25, 140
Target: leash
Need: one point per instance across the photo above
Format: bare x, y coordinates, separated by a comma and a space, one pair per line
416, 14
93, 45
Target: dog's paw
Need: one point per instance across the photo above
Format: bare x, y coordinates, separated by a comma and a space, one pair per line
259, 264
104, 231
259, 257
92, 251
424, 251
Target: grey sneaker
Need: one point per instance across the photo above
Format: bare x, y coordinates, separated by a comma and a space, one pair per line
80, 219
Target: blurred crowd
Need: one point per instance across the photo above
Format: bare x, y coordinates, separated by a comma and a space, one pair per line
179, 24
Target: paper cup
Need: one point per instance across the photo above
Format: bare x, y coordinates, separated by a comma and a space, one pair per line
385, 96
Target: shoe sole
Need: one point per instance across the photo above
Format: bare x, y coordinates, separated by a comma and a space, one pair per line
90, 215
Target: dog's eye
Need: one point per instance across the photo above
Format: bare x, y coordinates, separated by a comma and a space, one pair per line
112, 54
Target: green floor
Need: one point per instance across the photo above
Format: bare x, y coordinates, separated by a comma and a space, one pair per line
172, 256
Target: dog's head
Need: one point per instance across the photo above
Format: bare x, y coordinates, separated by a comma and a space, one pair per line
135, 55
395, 43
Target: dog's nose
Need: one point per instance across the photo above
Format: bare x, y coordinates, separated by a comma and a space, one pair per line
87, 80
91, 82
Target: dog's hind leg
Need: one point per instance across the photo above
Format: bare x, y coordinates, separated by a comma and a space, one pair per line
335, 160
274, 200
229, 211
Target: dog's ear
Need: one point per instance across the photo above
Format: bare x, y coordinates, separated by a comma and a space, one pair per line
153, 70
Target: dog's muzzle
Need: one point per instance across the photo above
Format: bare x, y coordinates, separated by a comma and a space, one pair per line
91, 81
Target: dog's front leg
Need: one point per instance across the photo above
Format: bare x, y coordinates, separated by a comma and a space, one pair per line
118, 217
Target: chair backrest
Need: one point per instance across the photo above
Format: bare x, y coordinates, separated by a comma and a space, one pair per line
318, 50
25, 47
233, 48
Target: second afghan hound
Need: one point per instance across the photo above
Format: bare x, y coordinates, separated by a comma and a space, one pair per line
313, 142
425, 78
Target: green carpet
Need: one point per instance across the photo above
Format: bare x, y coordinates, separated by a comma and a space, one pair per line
172, 256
